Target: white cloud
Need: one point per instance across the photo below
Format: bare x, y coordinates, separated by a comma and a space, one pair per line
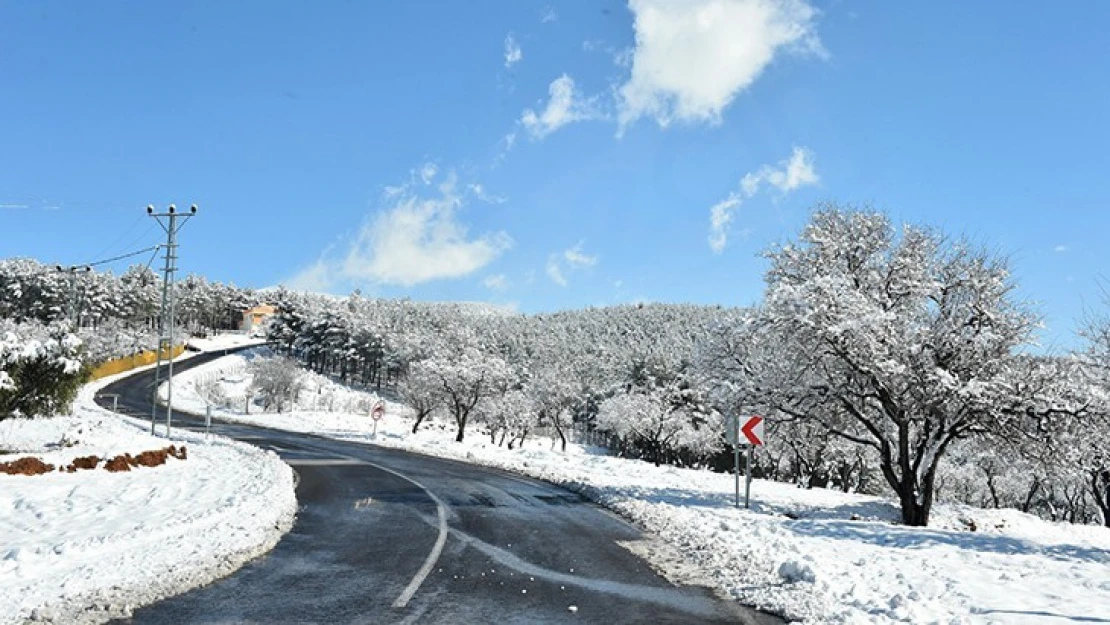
428, 172
479, 191
565, 106
415, 239
548, 15
577, 258
574, 258
720, 216
693, 57
496, 283
1061, 249
316, 278
513, 53
554, 271
419, 240
790, 174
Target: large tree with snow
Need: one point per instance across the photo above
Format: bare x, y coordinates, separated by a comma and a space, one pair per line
903, 341
466, 378
422, 390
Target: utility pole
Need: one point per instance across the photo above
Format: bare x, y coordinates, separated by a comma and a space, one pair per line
172, 225
71, 304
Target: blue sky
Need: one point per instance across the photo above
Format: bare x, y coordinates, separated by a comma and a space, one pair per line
553, 155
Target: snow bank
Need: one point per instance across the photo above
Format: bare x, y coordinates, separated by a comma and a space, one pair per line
224, 341
92, 545
811, 555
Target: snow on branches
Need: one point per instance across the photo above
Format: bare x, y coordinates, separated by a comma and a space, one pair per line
40, 369
902, 342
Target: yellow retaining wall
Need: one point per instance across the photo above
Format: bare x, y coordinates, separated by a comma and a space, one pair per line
127, 363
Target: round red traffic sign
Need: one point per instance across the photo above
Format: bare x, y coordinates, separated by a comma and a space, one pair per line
378, 411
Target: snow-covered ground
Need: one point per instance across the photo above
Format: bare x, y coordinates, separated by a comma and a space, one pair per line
88, 546
812, 555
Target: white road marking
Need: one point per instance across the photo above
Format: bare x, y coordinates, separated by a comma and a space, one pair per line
324, 462
437, 549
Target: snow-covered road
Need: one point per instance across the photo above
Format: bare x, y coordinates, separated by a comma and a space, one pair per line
88, 546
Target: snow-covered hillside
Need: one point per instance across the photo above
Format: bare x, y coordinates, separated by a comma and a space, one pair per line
813, 555
90, 545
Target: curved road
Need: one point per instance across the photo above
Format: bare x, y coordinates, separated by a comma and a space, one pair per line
385, 536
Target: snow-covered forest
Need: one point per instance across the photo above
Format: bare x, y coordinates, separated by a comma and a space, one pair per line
887, 359
55, 323
114, 315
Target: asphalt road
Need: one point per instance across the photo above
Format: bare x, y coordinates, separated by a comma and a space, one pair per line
385, 536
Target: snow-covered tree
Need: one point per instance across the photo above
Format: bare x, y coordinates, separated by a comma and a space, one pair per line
467, 378
660, 415
422, 390
900, 342
510, 415
276, 381
40, 369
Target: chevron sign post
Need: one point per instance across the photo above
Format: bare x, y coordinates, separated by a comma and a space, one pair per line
752, 430
751, 435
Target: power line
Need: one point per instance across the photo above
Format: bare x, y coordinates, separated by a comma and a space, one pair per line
115, 245
122, 256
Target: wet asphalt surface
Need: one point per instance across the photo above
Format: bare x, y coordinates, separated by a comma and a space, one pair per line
516, 550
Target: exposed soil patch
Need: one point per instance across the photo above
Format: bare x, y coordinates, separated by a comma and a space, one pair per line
83, 463
123, 462
119, 463
26, 466
152, 458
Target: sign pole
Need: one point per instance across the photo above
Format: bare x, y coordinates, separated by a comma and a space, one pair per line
732, 435
736, 472
748, 479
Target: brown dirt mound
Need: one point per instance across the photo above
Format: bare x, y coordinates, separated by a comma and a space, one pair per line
26, 466
117, 464
150, 458
84, 462
123, 462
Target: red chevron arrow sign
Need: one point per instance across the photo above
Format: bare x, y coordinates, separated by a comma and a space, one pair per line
752, 429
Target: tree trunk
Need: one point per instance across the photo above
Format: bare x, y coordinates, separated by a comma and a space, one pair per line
420, 416
993, 490
562, 437
1034, 488
461, 421
1100, 488
914, 513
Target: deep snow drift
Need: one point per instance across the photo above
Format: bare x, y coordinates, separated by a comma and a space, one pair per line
91, 545
812, 555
